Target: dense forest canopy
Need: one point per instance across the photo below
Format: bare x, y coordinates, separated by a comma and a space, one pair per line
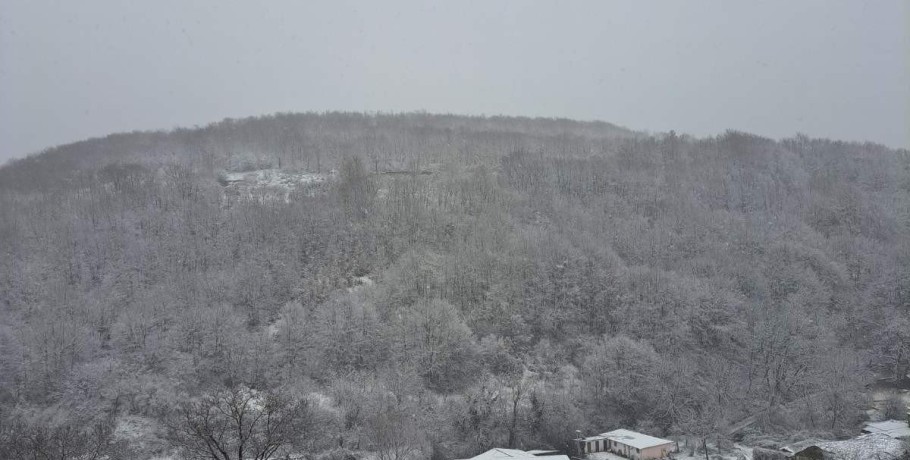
443, 284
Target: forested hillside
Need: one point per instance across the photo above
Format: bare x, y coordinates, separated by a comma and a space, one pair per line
417, 286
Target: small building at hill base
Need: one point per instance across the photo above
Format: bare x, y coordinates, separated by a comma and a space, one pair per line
499, 453
897, 429
629, 444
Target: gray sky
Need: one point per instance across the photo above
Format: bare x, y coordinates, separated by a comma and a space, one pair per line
71, 70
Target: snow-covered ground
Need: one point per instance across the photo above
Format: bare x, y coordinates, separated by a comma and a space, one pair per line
275, 178
133, 429
360, 282
270, 184
143, 437
868, 446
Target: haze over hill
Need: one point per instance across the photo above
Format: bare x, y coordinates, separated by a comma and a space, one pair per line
428, 286
835, 69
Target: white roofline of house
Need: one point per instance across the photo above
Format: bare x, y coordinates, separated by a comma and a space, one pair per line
502, 453
631, 439
894, 428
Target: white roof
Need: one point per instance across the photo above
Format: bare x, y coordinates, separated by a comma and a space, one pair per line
503, 454
592, 438
893, 428
634, 439
867, 446
497, 453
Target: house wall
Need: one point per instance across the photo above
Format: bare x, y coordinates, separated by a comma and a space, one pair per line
622, 449
627, 451
587, 447
657, 451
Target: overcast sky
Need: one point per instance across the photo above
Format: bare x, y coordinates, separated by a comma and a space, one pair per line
71, 70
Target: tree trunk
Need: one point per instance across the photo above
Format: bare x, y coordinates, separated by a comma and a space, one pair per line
514, 423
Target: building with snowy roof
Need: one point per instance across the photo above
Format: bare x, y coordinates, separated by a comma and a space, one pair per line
499, 453
897, 429
629, 444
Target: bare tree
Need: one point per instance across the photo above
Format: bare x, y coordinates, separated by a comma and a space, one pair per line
520, 383
53, 436
394, 432
240, 424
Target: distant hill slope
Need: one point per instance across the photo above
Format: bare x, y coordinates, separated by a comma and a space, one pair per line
439, 284
310, 140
